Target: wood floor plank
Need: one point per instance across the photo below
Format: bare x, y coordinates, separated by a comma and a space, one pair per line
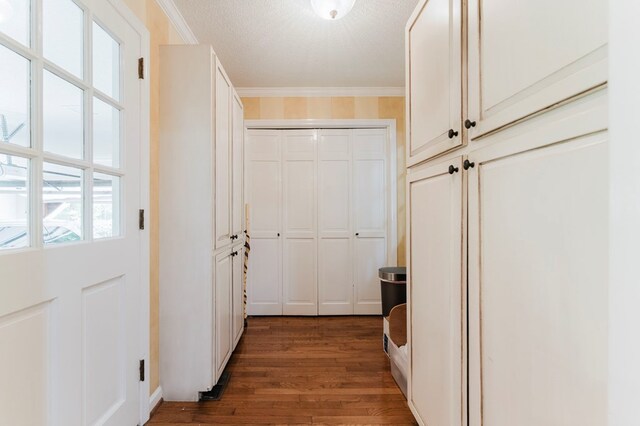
302, 370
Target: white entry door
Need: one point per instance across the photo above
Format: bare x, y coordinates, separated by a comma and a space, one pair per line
70, 247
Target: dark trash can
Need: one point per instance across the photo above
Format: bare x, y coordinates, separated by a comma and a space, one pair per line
393, 287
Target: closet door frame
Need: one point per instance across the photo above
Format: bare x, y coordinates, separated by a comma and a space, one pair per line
392, 193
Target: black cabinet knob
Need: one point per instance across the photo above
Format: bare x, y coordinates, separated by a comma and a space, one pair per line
357, 233
467, 164
453, 170
452, 133
278, 234
469, 124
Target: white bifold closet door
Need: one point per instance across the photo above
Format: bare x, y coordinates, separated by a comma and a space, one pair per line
319, 220
352, 219
264, 280
299, 236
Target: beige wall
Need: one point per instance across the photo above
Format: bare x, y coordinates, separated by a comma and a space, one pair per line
342, 108
161, 32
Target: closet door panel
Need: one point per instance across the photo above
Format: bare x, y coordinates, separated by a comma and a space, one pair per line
300, 277
222, 159
370, 183
435, 78
335, 277
435, 302
264, 281
299, 223
538, 283
518, 67
335, 257
370, 254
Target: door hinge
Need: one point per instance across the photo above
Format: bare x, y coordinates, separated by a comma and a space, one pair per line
141, 68
141, 219
142, 370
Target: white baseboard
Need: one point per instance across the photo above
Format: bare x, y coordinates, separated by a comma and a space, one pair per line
155, 398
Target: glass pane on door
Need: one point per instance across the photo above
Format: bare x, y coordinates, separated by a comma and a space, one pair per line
63, 34
106, 63
106, 134
15, 74
14, 19
61, 204
14, 202
62, 116
106, 208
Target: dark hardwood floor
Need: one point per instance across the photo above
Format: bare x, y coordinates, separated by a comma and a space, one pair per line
291, 370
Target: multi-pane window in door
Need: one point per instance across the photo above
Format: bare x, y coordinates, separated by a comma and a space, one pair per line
14, 202
15, 76
60, 125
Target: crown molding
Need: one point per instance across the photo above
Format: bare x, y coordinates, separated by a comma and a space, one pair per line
173, 13
265, 92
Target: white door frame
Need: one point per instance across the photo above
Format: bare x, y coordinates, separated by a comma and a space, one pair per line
389, 124
145, 128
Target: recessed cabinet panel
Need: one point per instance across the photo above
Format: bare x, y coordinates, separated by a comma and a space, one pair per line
238, 293
300, 277
525, 56
238, 172
435, 277
223, 310
540, 284
222, 161
435, 78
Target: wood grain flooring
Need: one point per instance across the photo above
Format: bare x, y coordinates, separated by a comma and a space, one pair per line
313, 370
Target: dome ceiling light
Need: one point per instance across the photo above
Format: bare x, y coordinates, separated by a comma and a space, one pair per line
332, 9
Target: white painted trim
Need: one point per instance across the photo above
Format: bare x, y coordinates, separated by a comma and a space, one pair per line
389, 124
173, 13
265, 92
155, 398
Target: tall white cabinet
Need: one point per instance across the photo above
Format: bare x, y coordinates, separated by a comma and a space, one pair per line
319, 220
508, 223
201, 221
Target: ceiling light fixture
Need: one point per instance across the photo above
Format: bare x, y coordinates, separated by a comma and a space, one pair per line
332, 9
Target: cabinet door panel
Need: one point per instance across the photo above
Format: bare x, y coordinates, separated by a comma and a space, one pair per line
264, 281
538, 285
222, 160
435, 304
237, 168
223, 308
300, 277
238, 293
518, 67
435, 78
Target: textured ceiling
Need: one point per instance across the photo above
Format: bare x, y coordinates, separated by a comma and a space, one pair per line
282, 43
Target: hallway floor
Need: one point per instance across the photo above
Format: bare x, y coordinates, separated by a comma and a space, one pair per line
302, 370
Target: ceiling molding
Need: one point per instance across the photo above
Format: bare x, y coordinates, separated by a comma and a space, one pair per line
310, 92
171, 10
